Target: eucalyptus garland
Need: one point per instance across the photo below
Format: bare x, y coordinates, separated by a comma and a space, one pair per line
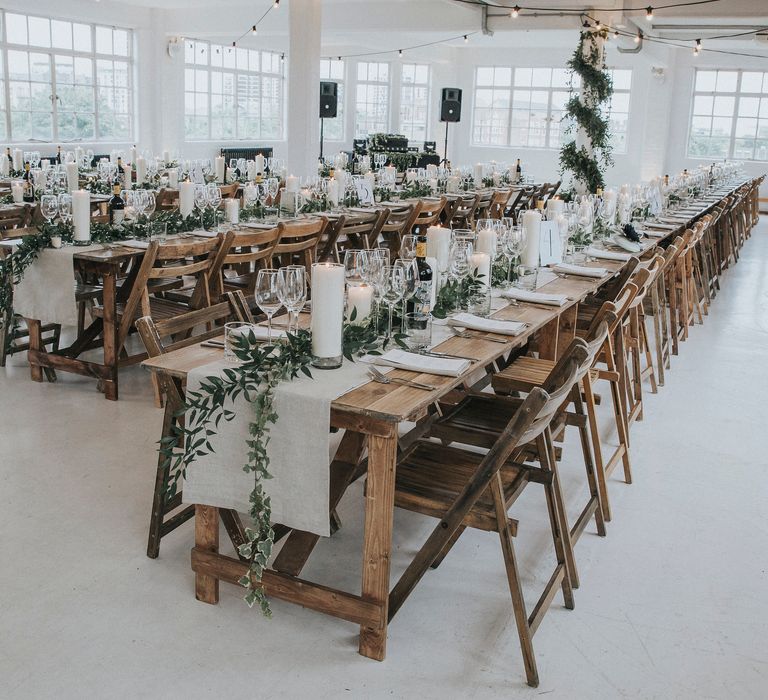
587, 163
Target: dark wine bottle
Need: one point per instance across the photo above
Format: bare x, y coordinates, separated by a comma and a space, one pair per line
29, 189
423, 297
116, 206
58, 160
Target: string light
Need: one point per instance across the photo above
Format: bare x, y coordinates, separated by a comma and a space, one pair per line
639, 37
466, 39
400, 52
254, 31
697, 48
515, 12
277, 4
649, 13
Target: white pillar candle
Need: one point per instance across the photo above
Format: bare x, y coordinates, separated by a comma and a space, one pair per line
81, 215
486, 242
340, 175
554, 207
186, 198
79, 153
478, 174
292, 184
431, 170
45, 164
439, 245
531, 234
250, 170
132, 155
166, 157
481, 266
359, 297
173, 177
452, 184
327, 309
72, 183
5, 166
433, 184
17, 190
18, 159
141, 170
390, 171
496, 179
219, 168
371, 179
259, 163
333, 191
232, 210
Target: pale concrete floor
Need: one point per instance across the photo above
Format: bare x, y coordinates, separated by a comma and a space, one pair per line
673, 602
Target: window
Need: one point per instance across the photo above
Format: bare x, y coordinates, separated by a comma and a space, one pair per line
372, 99
729, 115
66, 81
414, 101
334, 71
617, 109
520, 107
232, 93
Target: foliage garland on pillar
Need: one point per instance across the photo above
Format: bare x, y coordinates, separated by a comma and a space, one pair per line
587, 163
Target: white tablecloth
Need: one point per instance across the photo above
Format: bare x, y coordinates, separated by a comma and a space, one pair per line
298, 449
47, 288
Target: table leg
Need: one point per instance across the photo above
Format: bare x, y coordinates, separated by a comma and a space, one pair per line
35, 343
377, 545
207, 539
110, 334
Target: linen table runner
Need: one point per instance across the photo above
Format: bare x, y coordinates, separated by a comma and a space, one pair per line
299, 449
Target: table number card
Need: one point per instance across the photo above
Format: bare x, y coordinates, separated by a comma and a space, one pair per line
549, 243
364, 190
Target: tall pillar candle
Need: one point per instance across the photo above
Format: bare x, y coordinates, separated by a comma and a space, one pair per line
132, 155
141, 170
480, 263
531, 234
390, 172
72, 183
439, 245
232, 210
81, 216
333, 191
166, 157
452, 184
359, 299
479, 173
17, 191
219, 168
555, 207
258, 161
173, 177
250, 170
18, 159
186, 198
486, 242
45, 165
5, 166
292, 184
327, 314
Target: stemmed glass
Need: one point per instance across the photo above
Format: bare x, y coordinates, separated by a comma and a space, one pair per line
461, 250
292, 290
410, 275
393, 287
150, 202
355, 264
268, 296
408, 247
65, 207
201, 202
49, 206
213, 193
511, 247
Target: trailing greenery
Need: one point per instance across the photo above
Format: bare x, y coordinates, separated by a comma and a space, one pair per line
587, 163
415, 190
456, 294
260, 371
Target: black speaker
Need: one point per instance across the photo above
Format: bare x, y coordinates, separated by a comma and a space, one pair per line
450, 105
329, 99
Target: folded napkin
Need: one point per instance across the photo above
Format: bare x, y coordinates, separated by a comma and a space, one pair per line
400, 359
262, 332
135, 243
653, 234
607, 254
662, 226
205, 234
487, 325
11, 242
535, 297
568, 269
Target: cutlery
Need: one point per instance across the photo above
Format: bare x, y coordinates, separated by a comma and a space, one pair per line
477, 336
433, 353
212, 344
384, 379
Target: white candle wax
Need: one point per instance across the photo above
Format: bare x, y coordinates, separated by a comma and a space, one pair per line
496, 179
166, 157
391, 172
478, 174
371, 179
250, 170
45, 164
359, 297
327, 309
186, 198
554, 207
439, 245
72, 183
340, 175
141, 170
232, 210
452, 184
431, 170
259, 163
5, 166
291, 184
219, 168
81, 214
333, 191
18, 159
17, 190
481, 266
173, 177
531, 234
132, 155
486, 242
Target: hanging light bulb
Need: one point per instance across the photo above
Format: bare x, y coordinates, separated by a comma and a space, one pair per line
277, 4
598, 25
466, 39
697, 48
616, 33
649, 13
282, 56
639, 37
253, 30
515, 12
400, 52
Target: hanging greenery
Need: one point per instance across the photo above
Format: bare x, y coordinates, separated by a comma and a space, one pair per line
587, 162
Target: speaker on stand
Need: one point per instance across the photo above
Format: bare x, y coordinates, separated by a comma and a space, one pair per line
450, 111
329, 106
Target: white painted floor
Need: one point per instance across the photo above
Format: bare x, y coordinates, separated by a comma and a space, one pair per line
673, 602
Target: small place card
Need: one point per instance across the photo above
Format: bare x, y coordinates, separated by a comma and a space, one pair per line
364, 190
549, 243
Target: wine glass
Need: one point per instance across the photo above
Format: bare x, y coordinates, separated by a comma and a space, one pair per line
408, 247
292, 290
393, 285
459, 257
65, 207
355, 263
150, 202
201, 202
511, 247
410, 275
267, 296
214, 196
49, 206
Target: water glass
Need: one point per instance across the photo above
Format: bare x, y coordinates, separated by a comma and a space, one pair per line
417, 327
527, 277
233, 334
355, 264
158, 231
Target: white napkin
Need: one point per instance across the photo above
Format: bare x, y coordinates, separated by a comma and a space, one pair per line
400, 359
135, 243
535, 297
261, 332
580, 270
488, 325
665, 227
601, 254
653, 234
11, 242
206, 234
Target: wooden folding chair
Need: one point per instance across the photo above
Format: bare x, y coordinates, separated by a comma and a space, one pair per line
429, 215
360, 231
463, 488
498, 204
463, 215
242, 254
299, 241
399, 222
152, 334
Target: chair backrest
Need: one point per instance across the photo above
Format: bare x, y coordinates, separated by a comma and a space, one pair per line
17, 216
464, 211
229, 191
498, 204
484, 198
399, 222
428, 215
361, 230
613, 288
166, 199
248, 251
299, 241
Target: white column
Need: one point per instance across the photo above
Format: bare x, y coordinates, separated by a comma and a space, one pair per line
303, 133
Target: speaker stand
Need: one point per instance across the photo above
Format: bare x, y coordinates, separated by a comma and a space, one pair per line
444, 161
322, 125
